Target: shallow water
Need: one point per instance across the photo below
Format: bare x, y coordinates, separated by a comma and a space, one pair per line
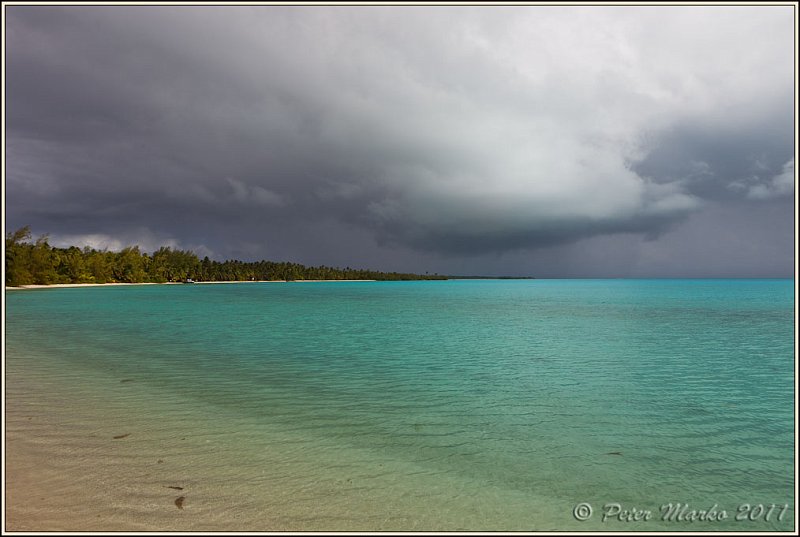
482, 405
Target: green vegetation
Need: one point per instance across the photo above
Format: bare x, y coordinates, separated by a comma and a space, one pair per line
36, 262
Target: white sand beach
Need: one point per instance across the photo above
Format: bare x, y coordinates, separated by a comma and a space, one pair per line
62, 285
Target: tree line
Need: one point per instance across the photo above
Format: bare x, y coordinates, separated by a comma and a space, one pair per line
31, 261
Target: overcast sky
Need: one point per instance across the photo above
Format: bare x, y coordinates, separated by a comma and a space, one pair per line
528, 140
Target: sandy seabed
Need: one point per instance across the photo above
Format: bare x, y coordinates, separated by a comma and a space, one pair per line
105, 453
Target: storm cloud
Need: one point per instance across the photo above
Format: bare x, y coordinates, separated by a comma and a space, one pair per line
525, 139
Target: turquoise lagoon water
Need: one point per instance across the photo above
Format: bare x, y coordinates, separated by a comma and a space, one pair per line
525, 397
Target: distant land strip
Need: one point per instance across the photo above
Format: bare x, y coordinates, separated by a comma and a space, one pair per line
36, 262
491, 278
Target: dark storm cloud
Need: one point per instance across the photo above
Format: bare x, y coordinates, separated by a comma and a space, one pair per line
722, 161
376, 134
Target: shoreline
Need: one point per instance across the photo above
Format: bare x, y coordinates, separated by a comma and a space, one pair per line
66, 285
61, 285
